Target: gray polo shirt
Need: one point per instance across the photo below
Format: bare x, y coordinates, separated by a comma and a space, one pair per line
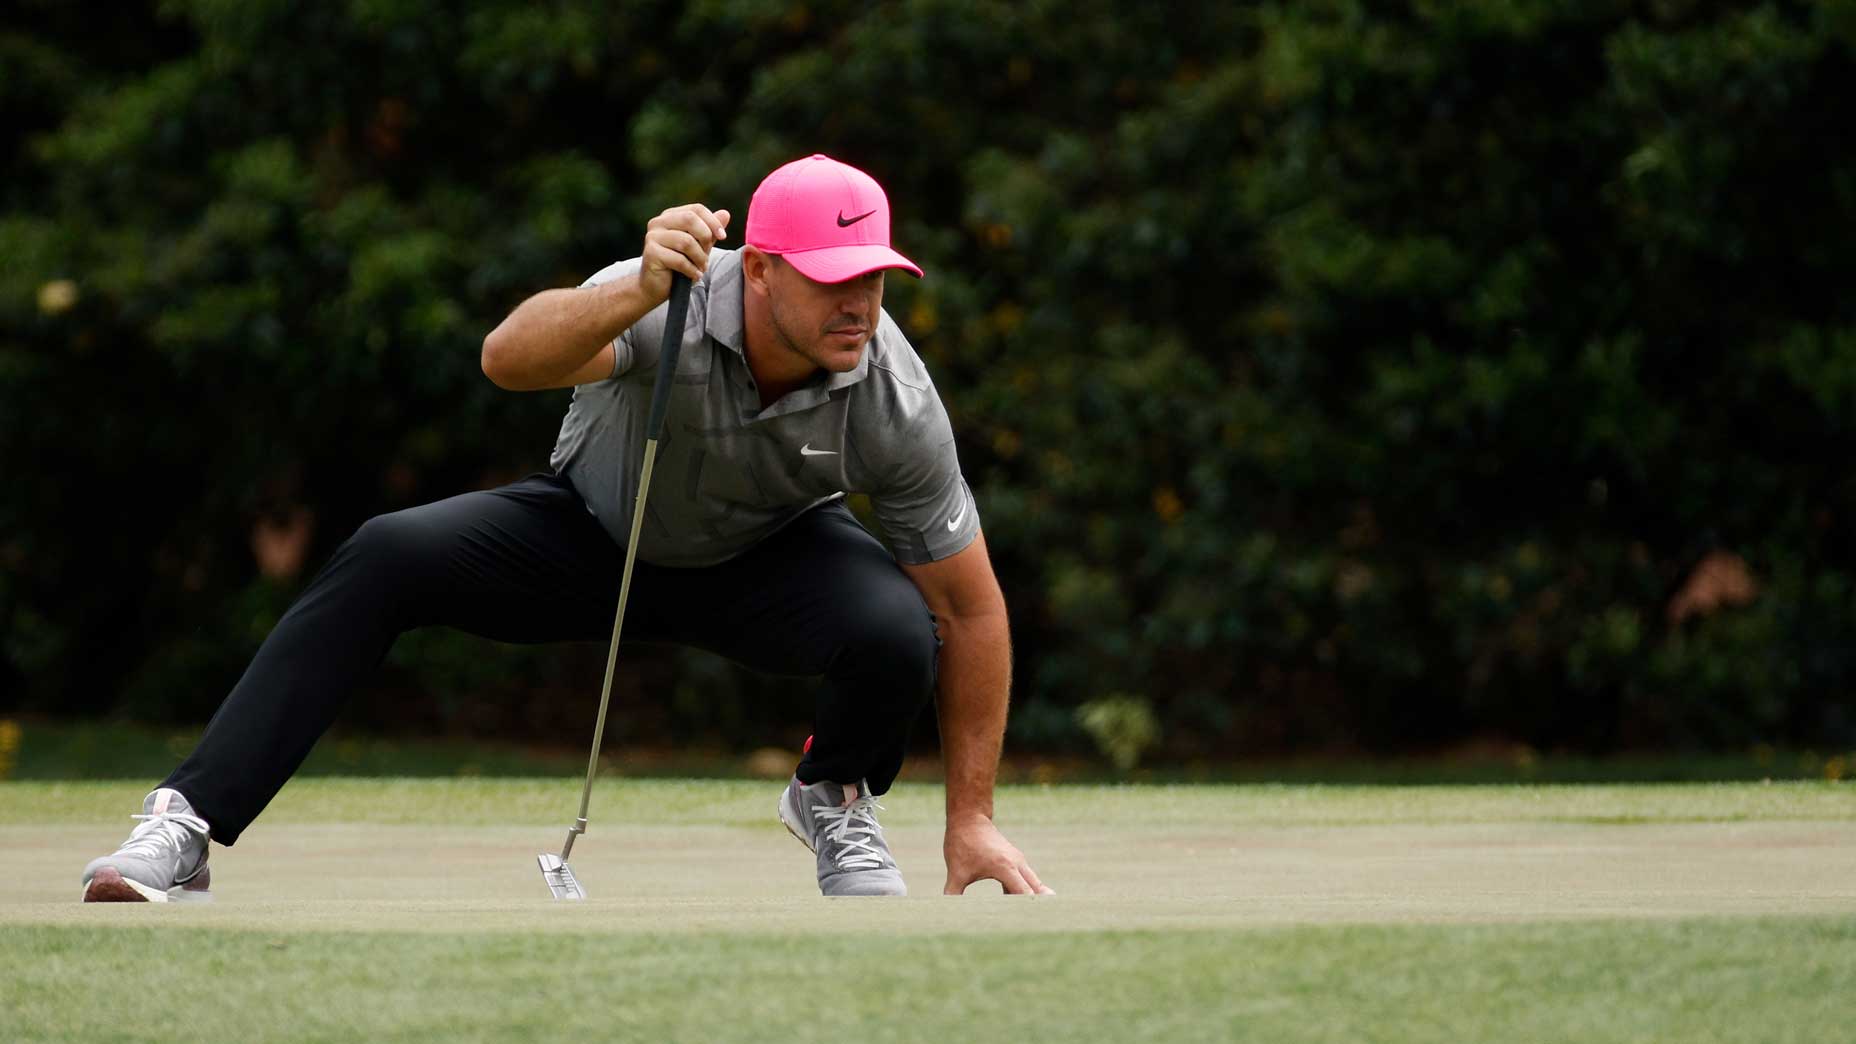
729, 474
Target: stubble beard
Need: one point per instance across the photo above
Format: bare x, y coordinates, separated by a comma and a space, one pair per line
806, 350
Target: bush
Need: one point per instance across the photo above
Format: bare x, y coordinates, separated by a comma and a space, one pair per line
1339, 375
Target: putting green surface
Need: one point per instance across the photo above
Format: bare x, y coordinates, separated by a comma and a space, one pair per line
413, 910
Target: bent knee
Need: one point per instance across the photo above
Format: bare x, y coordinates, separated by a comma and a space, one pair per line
398, 537
897, 632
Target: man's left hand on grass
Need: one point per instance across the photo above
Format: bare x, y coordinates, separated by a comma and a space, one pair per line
975, 850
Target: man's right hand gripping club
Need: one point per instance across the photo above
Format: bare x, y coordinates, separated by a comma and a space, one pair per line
561, 338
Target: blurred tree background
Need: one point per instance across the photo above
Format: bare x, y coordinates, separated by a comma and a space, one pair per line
1332, 376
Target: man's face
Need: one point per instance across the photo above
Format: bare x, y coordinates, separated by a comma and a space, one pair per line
827, 323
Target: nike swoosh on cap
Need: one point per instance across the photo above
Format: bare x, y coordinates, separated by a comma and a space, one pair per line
807, 451
844, 222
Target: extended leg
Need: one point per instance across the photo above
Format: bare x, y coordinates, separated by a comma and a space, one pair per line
521, 563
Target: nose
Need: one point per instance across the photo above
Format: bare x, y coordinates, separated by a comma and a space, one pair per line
854, 306
857, 293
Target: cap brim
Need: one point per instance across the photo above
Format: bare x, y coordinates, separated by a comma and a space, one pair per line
835, 264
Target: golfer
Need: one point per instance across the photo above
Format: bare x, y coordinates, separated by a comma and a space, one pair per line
793, 387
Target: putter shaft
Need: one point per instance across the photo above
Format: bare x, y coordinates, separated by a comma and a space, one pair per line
678, 309
612, 652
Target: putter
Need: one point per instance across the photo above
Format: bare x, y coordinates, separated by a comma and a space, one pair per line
554, 869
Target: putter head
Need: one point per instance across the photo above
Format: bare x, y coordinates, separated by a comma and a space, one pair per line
560, 877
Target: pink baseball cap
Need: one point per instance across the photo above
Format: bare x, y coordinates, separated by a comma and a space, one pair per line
827, 219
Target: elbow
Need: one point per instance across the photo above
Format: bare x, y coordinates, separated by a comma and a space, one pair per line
496, 360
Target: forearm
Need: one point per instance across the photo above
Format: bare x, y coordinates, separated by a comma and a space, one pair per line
975, 687
551, 339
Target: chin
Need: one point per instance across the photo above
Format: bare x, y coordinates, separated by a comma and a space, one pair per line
841, 360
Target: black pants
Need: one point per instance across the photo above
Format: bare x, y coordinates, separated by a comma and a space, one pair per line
527, 563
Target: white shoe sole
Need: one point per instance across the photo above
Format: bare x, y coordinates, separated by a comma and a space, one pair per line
790, 815
110, 886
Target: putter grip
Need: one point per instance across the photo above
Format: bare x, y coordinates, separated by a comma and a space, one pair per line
667, 358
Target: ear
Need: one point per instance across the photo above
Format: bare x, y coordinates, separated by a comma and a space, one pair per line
756, 270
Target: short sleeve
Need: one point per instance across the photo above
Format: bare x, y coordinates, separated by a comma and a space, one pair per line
624, 346
924, 505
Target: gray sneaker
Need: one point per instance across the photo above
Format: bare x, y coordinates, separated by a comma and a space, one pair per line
838, 822
164, 858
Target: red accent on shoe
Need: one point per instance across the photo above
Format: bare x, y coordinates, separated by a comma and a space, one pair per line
807, 749
107, 886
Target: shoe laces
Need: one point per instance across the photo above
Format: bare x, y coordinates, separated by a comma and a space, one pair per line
853, 829
165, 835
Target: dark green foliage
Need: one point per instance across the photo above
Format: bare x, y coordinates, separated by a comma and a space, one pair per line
1330, 374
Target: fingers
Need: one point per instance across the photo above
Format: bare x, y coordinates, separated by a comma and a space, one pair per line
1013, 882
715, 220
679, 240
1031, 878
675, 250
1017, 879
696, 219
702, 227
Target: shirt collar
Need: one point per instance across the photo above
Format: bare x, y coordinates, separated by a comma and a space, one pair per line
723, 319
817, 392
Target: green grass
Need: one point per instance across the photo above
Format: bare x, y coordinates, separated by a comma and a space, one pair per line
402, 910
742, 802
1764, 980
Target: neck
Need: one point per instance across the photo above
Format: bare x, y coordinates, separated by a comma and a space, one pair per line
777, 369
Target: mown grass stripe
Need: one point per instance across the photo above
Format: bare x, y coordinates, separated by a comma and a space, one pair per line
1697, 981
737, 802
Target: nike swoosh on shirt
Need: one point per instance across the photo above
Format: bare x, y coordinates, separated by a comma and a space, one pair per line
807, 451
954, 523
